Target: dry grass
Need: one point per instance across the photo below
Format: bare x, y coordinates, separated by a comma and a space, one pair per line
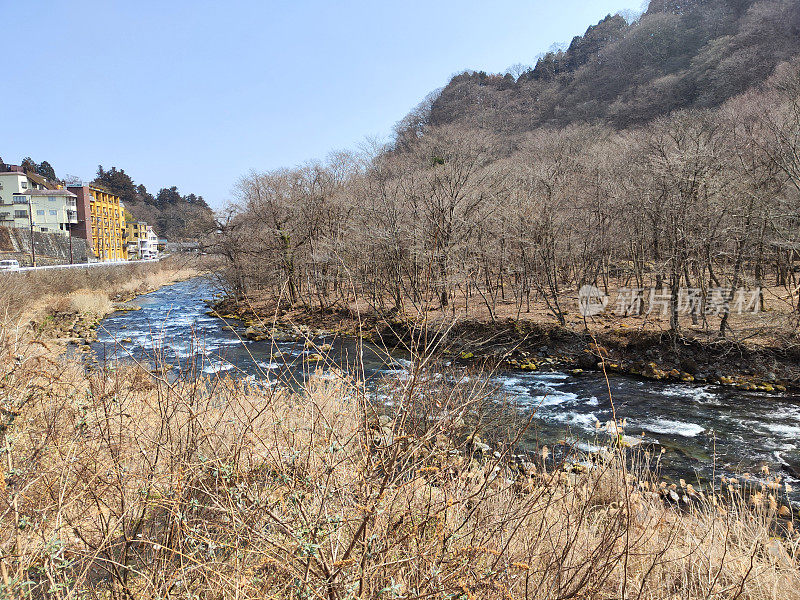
124, 485
90, 303
33, 294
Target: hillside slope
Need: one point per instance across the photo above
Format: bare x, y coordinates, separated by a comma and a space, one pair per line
177, 220
679, 54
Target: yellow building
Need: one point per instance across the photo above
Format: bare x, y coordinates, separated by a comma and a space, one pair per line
135, 237
108, 224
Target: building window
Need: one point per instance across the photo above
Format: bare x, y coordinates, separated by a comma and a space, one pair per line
53, 213
52, 198
20, 214
24, 185
20, 200
39, 213
43, 229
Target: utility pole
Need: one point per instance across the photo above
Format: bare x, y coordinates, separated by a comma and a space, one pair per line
30, 218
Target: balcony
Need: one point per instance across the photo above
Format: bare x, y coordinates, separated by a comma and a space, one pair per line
72, 216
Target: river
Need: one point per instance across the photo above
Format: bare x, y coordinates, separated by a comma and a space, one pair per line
702, 429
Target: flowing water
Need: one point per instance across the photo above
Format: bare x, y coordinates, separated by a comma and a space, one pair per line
702, 429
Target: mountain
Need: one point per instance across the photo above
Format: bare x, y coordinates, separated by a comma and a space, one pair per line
661, 153
679, 54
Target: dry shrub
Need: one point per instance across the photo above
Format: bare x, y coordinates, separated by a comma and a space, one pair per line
90, 303
124, 485
30, 294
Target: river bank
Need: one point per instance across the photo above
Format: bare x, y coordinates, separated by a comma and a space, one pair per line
122, 483
229, 482
532, 346
705, 430
69, 306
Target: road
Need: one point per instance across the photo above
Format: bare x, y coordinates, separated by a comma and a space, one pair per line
81, 265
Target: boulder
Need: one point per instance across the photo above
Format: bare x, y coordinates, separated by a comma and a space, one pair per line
255, 334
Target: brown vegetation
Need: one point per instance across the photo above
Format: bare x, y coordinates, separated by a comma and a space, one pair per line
471, 225
124, 485
678, 55
92, 290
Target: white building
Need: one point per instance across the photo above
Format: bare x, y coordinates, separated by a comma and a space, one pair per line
26, 204
13, 183
148, 247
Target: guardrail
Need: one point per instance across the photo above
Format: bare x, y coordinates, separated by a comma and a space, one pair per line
113, 263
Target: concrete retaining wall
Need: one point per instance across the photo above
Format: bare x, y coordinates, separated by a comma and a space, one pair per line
51, 248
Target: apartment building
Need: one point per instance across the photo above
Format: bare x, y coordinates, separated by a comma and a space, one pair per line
26, 202
135, 231
141, 240
13, 205
53, 211
101, 222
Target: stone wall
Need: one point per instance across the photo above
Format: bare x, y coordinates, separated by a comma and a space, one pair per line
51, 248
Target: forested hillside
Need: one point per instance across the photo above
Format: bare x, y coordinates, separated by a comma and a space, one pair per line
171, 214
679, 54
660, 155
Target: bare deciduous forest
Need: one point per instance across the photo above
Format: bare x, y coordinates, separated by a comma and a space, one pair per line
477, 223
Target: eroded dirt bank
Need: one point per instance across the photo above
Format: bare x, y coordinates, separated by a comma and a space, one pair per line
532, 346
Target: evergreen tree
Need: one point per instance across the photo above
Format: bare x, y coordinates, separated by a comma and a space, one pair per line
143, 195
171, 214
29, 165
118, 182
46, 170
168, 196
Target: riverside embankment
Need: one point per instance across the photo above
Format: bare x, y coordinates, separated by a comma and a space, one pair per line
230, 470
526, 344
702, 428
67, 305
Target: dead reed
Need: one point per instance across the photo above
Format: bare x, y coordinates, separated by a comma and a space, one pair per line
122, 484
31, 294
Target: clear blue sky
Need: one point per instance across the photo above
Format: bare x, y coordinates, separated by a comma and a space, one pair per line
195, 93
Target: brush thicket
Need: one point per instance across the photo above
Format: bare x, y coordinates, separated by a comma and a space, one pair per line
120, 483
